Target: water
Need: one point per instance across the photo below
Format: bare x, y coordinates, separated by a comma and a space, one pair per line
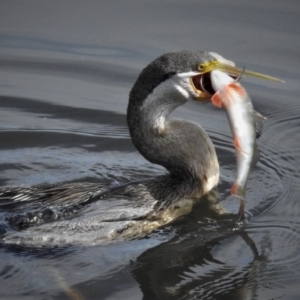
66, 71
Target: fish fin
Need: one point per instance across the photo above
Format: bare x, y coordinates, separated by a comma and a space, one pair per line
258, 119
256, 156
237, 88
237, 143
259, 115
217, 100
238, 191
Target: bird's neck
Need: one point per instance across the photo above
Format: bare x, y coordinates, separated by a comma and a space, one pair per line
147, 119
155, 108
174, 144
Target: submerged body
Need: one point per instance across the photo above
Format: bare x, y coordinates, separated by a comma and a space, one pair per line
242, 120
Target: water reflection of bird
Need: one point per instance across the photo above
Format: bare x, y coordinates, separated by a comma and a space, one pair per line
182, 147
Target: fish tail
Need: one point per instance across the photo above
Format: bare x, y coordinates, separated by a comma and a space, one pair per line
238, 191
241, 213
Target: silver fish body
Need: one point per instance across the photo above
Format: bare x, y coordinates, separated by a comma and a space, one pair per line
242, 119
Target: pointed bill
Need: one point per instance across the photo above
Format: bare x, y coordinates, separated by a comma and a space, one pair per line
232, 70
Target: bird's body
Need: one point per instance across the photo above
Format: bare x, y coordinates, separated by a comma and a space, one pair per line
91, 212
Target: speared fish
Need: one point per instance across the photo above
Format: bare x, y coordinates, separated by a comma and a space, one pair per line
245, 124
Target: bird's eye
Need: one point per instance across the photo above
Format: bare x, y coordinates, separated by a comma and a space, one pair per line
201, 67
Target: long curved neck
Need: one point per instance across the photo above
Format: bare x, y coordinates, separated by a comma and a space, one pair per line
148, 124
182, 147
147, 120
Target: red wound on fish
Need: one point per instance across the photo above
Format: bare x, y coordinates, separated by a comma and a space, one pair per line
233, 189
237, 144
239, 89
237, 191
216, 99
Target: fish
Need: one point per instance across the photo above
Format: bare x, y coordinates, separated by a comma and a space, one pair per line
246, 125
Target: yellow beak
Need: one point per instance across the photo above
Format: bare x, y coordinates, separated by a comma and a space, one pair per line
232, 70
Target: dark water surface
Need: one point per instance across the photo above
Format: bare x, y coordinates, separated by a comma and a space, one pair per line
66, 68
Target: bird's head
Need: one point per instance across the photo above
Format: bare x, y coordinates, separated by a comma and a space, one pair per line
186, 72
201, 82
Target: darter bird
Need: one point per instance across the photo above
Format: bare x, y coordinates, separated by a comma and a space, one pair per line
90, 212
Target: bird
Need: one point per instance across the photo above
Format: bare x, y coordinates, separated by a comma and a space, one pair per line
182, 147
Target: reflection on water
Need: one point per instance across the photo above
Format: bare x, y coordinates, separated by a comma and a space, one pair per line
64, 80
177, 271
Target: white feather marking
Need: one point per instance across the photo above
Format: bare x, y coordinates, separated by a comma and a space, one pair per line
211, 182
166, 97
170, 88
160, 124
181, 82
